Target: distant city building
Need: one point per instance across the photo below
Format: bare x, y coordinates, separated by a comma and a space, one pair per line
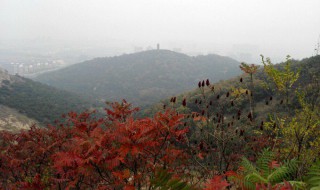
35, 67
158, 46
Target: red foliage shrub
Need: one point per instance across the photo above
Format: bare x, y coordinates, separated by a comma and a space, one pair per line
117, 151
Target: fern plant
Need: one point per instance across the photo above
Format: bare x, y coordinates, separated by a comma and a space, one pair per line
313, 176
268, 171
164, 180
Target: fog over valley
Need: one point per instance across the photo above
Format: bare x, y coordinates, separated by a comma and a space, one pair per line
74, 31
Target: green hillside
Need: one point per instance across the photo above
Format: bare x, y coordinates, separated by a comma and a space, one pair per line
141, 78
37, 101
309, 75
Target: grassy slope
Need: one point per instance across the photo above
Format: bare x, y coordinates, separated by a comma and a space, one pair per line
12, 120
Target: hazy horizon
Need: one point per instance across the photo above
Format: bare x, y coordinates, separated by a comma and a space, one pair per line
242, 30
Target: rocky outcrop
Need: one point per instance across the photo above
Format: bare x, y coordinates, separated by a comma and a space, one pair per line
13, 121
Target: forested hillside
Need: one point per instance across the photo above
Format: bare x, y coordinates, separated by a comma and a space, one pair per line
141, 78
37, 101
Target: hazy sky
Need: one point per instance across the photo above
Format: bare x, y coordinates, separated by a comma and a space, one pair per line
274, 28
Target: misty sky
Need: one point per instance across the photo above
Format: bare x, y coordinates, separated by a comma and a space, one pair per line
274, 28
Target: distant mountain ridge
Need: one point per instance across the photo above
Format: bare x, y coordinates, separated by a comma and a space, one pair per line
142, 78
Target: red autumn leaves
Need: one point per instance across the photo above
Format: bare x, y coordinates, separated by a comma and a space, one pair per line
115, 152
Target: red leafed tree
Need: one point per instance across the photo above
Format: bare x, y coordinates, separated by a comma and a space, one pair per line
119, 151
25, 158
216, 183
115, 152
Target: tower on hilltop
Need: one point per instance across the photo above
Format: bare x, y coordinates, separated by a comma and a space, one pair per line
317, 47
